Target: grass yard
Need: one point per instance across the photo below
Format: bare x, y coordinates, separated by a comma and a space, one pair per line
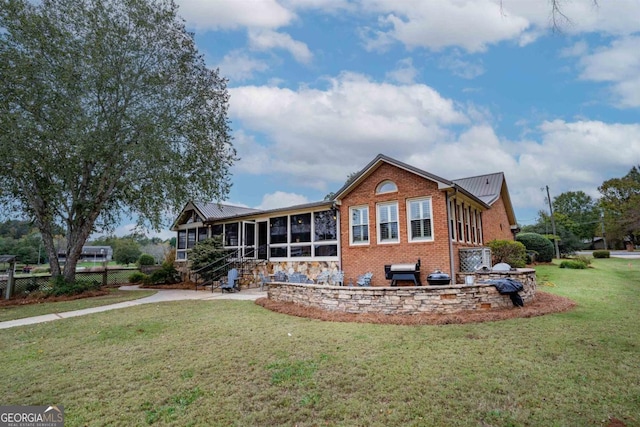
115, 296
233, 363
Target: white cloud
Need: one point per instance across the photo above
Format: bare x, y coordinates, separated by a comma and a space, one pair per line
404, 73
321, 136
281, 199
437, 24
578, 49
207, 15
618, 64
317, 137
238, 66
267, 40
461, 67
574, 156
323, 5
254, 158
475, 151
473, 25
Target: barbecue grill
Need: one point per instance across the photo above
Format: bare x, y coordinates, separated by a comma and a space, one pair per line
438, 278
408, 272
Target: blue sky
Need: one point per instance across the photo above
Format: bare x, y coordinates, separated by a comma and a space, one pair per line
458, 88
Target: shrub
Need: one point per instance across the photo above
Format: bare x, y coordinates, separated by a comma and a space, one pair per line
146, 259
601, 254
166, 274
575, 264
60, 287
540, 244
585, 259
513, 253
137, 277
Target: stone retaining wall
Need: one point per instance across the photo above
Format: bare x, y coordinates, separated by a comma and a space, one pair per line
406, 300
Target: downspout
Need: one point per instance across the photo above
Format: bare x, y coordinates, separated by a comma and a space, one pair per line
451, 264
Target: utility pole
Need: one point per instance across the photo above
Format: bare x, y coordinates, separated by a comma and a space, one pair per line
553, 225
604, 238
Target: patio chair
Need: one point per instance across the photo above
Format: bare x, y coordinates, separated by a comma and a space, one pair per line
231, 284
264, 280
298, 278
337, 278
364, 279
280, 276
323, 277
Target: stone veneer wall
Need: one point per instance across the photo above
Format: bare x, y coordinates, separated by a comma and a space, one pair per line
406, 300
266, 268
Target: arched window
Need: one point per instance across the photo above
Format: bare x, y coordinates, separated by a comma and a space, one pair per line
386, 187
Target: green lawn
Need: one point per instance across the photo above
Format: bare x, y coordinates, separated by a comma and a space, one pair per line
29, 310
233, 363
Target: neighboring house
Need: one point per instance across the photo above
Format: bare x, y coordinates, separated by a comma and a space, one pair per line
92, 253
389, 213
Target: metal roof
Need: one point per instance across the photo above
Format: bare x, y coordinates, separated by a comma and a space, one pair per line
212, 211
485, 187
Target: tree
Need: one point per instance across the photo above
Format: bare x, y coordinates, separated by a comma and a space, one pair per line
106, 110
578, 212
127, 251
621, 203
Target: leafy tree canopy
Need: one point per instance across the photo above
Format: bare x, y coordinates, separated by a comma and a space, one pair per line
621, 203
106, 109
127, 251
579, 212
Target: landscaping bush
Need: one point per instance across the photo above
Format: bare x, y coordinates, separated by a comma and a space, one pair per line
60, 287
601, 254
137, 277
513, 253
540, 244
146, 259
575, 264
166, 274
585, 259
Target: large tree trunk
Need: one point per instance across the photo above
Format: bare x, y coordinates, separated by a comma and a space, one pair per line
52, 252
77, 237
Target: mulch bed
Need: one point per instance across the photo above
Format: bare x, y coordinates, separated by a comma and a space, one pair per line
40, 298
543, 303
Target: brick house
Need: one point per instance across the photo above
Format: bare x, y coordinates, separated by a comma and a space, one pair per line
390, 212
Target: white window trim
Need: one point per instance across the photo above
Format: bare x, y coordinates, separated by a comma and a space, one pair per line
459, 222
351, 209
385, 182
420, 239
378, 228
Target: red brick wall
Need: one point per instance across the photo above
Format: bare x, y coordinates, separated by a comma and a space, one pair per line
495, 223
434, 255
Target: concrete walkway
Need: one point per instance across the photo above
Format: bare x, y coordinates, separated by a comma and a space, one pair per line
161, 295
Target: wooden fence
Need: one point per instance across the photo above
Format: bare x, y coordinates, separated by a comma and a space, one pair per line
24, 284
